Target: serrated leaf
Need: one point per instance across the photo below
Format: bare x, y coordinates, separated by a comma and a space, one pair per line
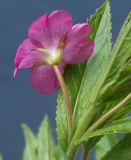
62, 123
121, 49
84, 80
92, 79
119, 126
95, 20
30, 152
120, 60
118, 73
46, 144
121, 151
104, 145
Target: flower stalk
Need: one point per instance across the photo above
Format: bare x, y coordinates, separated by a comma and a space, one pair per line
108, 114
65, 94
73, 147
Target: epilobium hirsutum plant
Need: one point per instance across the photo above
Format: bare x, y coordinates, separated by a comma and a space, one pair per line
94, 79
53, 41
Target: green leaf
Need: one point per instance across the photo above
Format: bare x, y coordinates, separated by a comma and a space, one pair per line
59, 155
84, 80
30, 152
41, 146
95, 20
104, 145
118, 126
62, 123
46, 144
118, 83
120, 61
122, 49
92, 78
121, 151
118, 73
1, 158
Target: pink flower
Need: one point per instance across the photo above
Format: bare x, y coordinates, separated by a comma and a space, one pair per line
52, 40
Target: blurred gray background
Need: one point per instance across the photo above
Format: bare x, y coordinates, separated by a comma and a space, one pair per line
18, 101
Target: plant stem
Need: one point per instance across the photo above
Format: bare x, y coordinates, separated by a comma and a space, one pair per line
85, 155
65, 94
80, 130
108, 114
72, 153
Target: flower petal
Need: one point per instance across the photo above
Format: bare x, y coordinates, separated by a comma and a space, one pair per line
60, 24
39, 33
47, 30
81, 53
76, 35
78, 32
78, 49
26, 57
44, 79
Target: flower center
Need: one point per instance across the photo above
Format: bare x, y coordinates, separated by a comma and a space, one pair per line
54, 57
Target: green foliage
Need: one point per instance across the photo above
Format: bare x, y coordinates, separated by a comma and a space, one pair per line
62, 123
94, 87
119, 72
84, 80
1, 157
46, 148
31, 144
121, 151
117, 82
104, 145
95, 20
41, 146
118, 126
92, 79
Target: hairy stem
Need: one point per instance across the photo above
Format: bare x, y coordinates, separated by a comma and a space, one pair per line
108, 114
65, 94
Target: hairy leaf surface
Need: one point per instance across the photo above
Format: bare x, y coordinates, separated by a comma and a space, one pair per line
84, 80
